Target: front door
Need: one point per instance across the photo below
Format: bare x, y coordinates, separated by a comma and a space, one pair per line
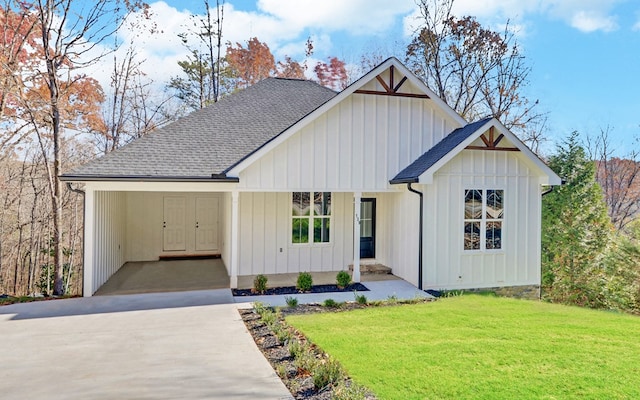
174, 237
368, 228
207, 223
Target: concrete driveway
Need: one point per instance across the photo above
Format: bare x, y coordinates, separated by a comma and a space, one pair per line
183, 345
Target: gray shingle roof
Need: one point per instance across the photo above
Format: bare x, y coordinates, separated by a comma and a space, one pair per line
412, 173
209, 141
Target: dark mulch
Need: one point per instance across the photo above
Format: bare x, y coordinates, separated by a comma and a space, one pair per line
292, 290
299, 382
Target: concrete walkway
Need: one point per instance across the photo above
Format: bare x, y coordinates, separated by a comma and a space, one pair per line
185, 345
378, 290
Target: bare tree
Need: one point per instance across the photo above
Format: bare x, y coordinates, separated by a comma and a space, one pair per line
204, 67
618, 177
133, 107
70, 34
475, 70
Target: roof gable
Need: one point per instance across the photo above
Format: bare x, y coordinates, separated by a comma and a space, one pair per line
203, 144
470, 137
388, 79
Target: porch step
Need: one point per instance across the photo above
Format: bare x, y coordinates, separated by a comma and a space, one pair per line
372, 269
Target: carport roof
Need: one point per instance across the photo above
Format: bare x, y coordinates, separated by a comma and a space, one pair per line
205, 143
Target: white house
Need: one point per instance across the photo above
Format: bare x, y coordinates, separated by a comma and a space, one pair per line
288, 176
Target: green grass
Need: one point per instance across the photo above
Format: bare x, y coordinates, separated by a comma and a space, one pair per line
479, 347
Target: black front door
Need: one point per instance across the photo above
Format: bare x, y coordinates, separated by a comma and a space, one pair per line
368, 228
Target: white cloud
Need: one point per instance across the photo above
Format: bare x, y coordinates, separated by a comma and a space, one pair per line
591, 21
360, 17
584, 15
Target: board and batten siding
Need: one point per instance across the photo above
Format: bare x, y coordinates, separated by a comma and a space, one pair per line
265, 236
357, 145
403, 221
446, 264
109, 232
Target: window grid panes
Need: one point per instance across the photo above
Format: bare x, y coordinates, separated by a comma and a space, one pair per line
483, 215
311, 226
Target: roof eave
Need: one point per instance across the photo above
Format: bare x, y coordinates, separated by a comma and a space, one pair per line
135, 178
403, 180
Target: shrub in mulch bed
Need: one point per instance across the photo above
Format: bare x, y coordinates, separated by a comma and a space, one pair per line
292, 290
308, 373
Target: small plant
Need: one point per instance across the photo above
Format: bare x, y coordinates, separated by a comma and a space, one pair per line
259, 307
343, 279
260, 284
327, 372
269, 317
452, 293
331, 303
284, 335
291, 301
296, 348
393, 299
360, 298
305, 282
349, 391
281, 370
306, 361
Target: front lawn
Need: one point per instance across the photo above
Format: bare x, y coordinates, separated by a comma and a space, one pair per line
480, 347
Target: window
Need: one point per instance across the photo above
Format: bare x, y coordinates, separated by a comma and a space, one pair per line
311, 217
483, 212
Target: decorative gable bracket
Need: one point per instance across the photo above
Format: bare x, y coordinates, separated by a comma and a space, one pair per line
491, 142
390, 88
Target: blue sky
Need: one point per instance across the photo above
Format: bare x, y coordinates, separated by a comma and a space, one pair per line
584, 54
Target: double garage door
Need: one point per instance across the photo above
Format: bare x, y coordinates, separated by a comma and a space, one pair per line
187, 217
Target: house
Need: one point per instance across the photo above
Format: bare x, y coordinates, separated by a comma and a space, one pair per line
288, 176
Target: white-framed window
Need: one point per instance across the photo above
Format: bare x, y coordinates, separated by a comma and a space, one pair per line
483, 219
310, 217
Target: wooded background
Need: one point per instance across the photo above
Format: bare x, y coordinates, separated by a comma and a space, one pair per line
54, 116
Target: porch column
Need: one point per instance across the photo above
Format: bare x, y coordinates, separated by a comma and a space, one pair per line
89, 238
357, 196
235, 229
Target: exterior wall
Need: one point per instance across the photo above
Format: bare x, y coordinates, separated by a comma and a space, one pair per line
446, 264
144, 228
358, 145
403, 218
225, 229
109, 232
265, 236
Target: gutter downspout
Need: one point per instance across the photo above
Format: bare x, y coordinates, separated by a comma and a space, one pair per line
420, 234
84, 217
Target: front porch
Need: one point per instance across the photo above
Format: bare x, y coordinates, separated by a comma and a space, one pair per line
207, 274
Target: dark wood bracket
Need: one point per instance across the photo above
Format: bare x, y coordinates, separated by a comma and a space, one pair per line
390, 88
491, 142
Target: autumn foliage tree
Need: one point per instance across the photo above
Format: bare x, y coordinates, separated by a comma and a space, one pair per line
61, 96
250, 64
332, 74
477, 71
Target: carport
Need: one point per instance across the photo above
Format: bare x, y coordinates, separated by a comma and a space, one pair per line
167, 276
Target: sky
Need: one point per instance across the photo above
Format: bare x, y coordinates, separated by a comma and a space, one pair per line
584, 54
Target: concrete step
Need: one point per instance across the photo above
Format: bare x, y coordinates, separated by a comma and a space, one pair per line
371, 269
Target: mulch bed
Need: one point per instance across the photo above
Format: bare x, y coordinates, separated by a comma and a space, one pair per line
299, 383
292, 290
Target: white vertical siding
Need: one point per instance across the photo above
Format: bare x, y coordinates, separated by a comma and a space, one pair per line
109, 235
446, 264
265, 236
402, 218
225, 229
358, 145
